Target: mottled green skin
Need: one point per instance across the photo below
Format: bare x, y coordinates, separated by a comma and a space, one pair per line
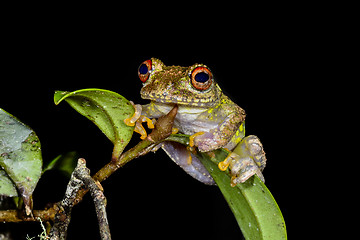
172, 85
208, 111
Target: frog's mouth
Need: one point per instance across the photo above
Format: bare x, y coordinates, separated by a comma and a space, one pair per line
181, 100
171, 93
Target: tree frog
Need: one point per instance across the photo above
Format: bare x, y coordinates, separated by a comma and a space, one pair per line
205, 113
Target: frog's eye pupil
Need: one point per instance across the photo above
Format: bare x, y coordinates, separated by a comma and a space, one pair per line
201, 78
144, 70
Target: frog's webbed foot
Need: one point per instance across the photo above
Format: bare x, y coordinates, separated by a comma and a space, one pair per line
248, 160
192, 138
137, 119
242, 169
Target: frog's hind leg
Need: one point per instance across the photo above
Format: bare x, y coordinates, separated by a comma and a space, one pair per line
247, 159
181, 155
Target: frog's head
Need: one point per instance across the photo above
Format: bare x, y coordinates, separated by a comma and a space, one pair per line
193, 86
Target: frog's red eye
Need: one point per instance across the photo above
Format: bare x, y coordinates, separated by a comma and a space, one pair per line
201, 78
144, 70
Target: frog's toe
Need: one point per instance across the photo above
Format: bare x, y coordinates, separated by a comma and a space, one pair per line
245, 174
131, 121
256, 150
242, 169
141, 130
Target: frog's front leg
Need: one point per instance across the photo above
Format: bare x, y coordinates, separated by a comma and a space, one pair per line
137, 119
220, 136
247, 159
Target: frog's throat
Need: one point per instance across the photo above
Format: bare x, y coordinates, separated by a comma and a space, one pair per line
206, 102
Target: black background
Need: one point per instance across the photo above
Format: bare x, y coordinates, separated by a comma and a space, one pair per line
259, 64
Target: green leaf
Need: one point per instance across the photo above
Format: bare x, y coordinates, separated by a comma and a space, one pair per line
252, 204
255, 209
20, 158
65, 163
7, 187
104, 108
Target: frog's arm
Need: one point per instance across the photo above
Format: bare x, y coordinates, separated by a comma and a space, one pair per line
145, 113
150, 111
226, 130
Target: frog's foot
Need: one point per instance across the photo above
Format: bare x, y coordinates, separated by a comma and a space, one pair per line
192, 138
139, 127
191, 148
242, 169
256, 150
137, 119
249, 160
174, 130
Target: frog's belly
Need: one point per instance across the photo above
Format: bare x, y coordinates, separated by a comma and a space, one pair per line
190, 123
188, 120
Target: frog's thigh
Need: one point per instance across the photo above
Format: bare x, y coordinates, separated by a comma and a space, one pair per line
180, 155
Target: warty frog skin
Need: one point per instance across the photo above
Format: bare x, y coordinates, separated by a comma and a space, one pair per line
211, 118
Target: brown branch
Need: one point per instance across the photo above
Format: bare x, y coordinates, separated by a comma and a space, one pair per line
80, 176
63, 215
162, 130
19, 216
99, 199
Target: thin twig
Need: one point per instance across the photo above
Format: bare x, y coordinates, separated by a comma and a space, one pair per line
63, 216
99, 199
80, 176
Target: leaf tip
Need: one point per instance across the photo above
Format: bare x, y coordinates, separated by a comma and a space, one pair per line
59, 96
